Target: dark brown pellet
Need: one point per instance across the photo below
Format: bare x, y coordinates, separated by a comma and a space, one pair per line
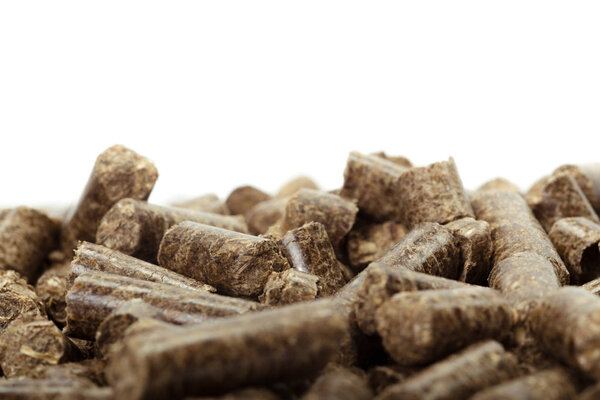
583, 180
308, 249
91, 370
339, 383
552, 384
475, 243
335, 213
136, 228
94, 296
208, 203
242, 199
382, 376
288, 342
300, 182
51, 287
289, 286
423, 326
370, 242
567, 325
118, 173
243, 394
52, 389
458, 376
382, 282
26, 237
93, 258
515, 230
265, 214
16, 298
576, 240
499, 184
590, 393
374, 183
235, 263
433, 194
428, 248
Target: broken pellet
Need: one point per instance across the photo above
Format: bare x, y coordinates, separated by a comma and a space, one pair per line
339, 383
51, 287
567, 325
136, 228
26, 237
515, 230
118, 173
242, 199
458, 376
500, 184
52, 389
92, 258
382, 282
577, 241
335, 213
561, 197
208, 203
92, 297
475, 243
551, 384
433, 194
289, 286
16, 298
235, 263
308, 249
428, 248
288, 342
265, 214
423, 326
301, 182
374, 183
370, 242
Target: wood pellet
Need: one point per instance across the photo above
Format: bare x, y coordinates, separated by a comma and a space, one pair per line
400, 283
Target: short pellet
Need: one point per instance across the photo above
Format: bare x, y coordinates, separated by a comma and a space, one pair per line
577, 240
339, 384
265, 214
335, 213
136, 228
458, 376
51, 287
207, 203
16, 298
288, 342
92, 297
475, 243
90, 370
26, 237
93, 258
289, 286
117, 174
429, 248
583, 180
374, 183
515, 230
243, 198
551, 384
308, 249
433, 194
370, 242
424, 326
301, 182
567, 325
235, 263
52, 389
499, 184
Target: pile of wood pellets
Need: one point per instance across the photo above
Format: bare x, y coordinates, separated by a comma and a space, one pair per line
398, 285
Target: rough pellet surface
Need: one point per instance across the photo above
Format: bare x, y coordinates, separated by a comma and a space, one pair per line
382, 376
117, 174
370, 242
265, 215
340, 384
474, 240
51, 287
16, 298
136, 228
424, 326
235, 263
289, 342
289, 286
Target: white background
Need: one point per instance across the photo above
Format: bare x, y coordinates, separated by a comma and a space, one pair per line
224, 93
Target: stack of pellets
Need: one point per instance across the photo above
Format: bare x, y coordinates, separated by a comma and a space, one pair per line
398, 285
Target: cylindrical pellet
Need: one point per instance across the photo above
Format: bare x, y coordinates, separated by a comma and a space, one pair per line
583, 180
551, 384
234, 263
382, 376
301, 182
428, 248
592, 172
265, 214
94, 296
500, 184
288, 342
370, 242
51, 287
52, 389
242, 199
209, 203
373, 182
382, 282
567, 324
93, 258
16, 298
475, 243
308, 249
26, 237
576, 240
118, 173
335, 213
433, 194
339, 384
458, 376
515, 230
423, 326
289, 286
136, 228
